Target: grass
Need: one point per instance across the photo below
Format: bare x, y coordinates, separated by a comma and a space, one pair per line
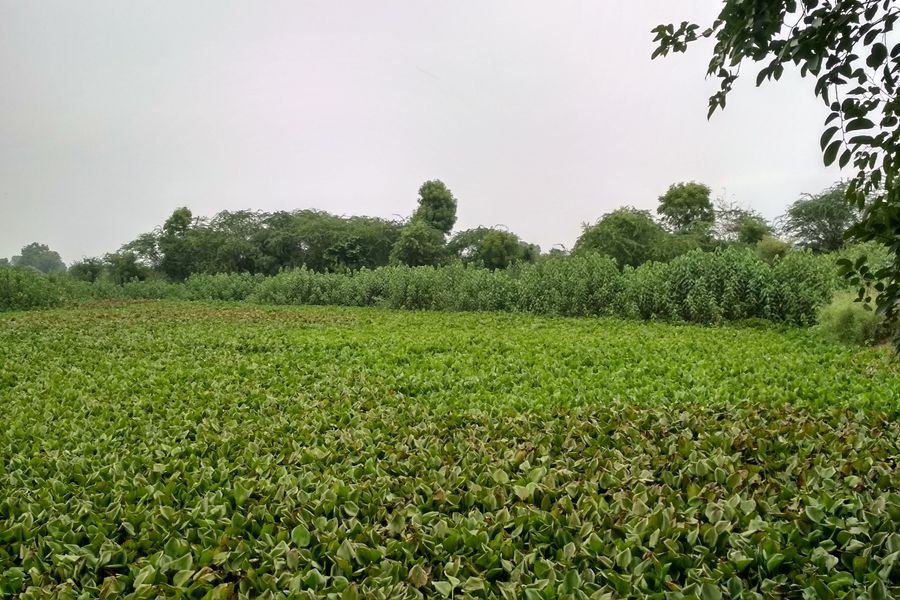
197, 450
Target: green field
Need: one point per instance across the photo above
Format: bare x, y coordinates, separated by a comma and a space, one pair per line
193, 450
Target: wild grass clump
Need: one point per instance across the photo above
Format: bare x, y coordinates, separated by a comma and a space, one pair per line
847, 321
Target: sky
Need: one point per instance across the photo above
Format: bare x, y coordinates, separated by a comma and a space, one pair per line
538, 116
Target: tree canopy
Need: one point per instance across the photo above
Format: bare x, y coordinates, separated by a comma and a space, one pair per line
849, 47
40, 257
819, 221
686, 206
419, 244
437, 206
628, 235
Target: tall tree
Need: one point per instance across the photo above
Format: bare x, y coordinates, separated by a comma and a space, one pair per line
40, 257
177, 254
628, 235
124, 267
419, 244
437, 206
500, 249
819, 221
848, 47
87, 269
492, 248
735, 223
686, 207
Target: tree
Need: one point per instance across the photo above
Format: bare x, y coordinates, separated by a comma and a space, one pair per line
419, 244
771, 249
500, 249
844, 45
4, 262
819, 221
124, 267
467, 243
40, 257
628, 235
736, 224
437, 206
177, 256
178, 223
686, 207
530, 252
87, 269
146, 248
491, 248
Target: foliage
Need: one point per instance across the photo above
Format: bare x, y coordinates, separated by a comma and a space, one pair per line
24, 288
844, 45
699, 287
752, 229
234, 287
437, 206
875, 255
123, 267
177, 247
87, 269
771, 249
465, 244
628, 235
849, 322
40, 257
820, 221
702, 287
238, 451
419, 244
673, 245
500, 249
686, 207
491, 248
737, 224
256, 242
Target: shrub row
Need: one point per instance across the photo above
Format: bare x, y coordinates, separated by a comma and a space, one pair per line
698, 287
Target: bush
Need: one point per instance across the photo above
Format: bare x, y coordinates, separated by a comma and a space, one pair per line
850, 322
25, 288
879, 257
575, 286
730, 284
221, 286
803, 282
771, 249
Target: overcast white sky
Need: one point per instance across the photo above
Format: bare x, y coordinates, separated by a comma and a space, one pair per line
539, 116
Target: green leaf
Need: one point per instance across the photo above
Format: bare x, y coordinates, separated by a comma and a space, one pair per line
774, 562
827, 135
831, 152
859, 123
444, 588
351, 508
709, 591
300, 536
418, 576
181, 564
877, 55
815, 514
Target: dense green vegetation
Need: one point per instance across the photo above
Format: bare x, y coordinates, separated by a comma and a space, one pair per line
165, 449
698, 287
848, 47
261, 243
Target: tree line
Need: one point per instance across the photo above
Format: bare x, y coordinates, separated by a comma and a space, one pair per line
257, 242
